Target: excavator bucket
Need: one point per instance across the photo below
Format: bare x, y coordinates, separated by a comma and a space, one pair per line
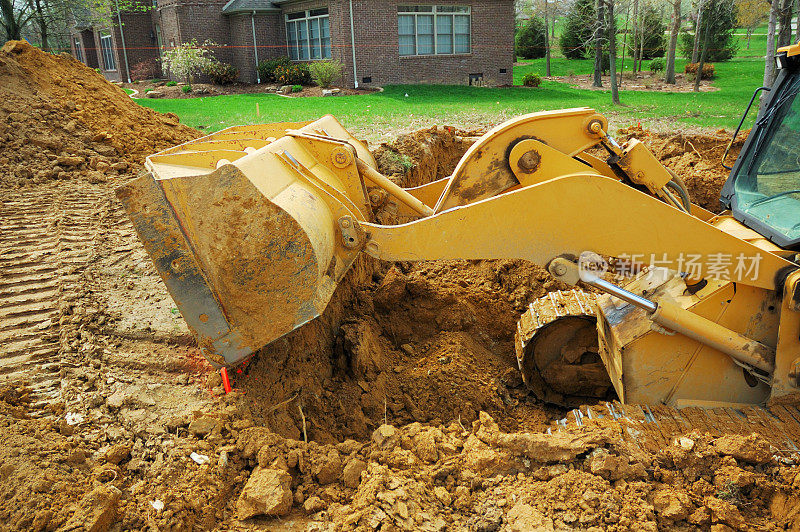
240, 231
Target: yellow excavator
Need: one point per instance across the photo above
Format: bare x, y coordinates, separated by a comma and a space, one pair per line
251, 229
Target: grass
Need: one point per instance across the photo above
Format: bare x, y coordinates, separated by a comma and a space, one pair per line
406, 107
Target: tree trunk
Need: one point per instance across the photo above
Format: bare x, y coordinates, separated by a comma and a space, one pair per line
797, 12
635, 37
41, 21
785, 23
769, 64
546, 41
641, 39
699, 75
696, 45
612, 51
669, 76
624, 49
12, 25
598, 46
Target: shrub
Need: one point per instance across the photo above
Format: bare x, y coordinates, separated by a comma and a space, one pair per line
293, 75
576, 40
297, 88
171, 83
143, 70
221, 73
531, 79
708, 70
187, 59
722, 43
530, 41
657, 64
266, 69
148, 90
324, 73
186, 89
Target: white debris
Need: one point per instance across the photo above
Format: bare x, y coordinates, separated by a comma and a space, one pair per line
687, 444
73, 418
199, 458
157, 505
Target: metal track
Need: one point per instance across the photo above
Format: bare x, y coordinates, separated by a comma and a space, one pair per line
46, 240
654, 427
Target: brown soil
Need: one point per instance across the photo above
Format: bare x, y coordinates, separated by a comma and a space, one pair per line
642, 81
63, 120
406, 389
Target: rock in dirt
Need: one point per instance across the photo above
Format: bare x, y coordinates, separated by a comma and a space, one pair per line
314, 504
117, 453
97, 511
671, 505
328, 468
351, 475
752, 448
267, 492
203, 425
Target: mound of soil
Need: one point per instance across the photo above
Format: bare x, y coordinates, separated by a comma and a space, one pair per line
59, 119
697, 159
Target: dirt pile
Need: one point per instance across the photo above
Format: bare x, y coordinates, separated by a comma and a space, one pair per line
695, 158
59, 119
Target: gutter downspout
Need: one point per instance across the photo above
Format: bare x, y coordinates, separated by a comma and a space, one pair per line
353, 45
255, 48
124, 48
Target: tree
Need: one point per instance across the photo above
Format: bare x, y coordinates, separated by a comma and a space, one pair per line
706, 18
531, 39
669, 75
785, 23
599, 29
611, 30
751, 13
720, 15
579, 30
14, 14
769, 65
651, 41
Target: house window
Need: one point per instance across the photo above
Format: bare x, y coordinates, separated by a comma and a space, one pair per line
78, 49
429, 30
107, 51
308, 35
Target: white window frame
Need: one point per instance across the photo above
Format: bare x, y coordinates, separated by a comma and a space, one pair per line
435, 12
108, 53
318, 45
78, 49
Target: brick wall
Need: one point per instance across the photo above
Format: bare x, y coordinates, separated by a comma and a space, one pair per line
270, 41
377, 49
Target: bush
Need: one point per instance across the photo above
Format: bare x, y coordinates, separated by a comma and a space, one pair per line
576, 41
531, 79
187, 59
171, 83
266, 69
657, 64
324, 73
530, 41
708, 70
293, 75
297, 88
722, 44
186, 89
221, 73
144, 70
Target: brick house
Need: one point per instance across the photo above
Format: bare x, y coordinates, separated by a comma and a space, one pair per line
380, 42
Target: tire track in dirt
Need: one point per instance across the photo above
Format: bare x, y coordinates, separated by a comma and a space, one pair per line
46, 241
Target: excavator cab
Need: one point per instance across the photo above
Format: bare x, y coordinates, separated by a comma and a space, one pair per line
763, 190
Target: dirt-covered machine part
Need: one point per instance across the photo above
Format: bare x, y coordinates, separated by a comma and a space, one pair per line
252, 228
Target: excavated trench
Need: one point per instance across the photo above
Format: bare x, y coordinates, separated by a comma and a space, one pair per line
406, 388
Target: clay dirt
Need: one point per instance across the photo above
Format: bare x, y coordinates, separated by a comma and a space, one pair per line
400, 408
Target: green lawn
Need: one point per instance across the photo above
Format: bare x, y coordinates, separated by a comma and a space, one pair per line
406, 107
